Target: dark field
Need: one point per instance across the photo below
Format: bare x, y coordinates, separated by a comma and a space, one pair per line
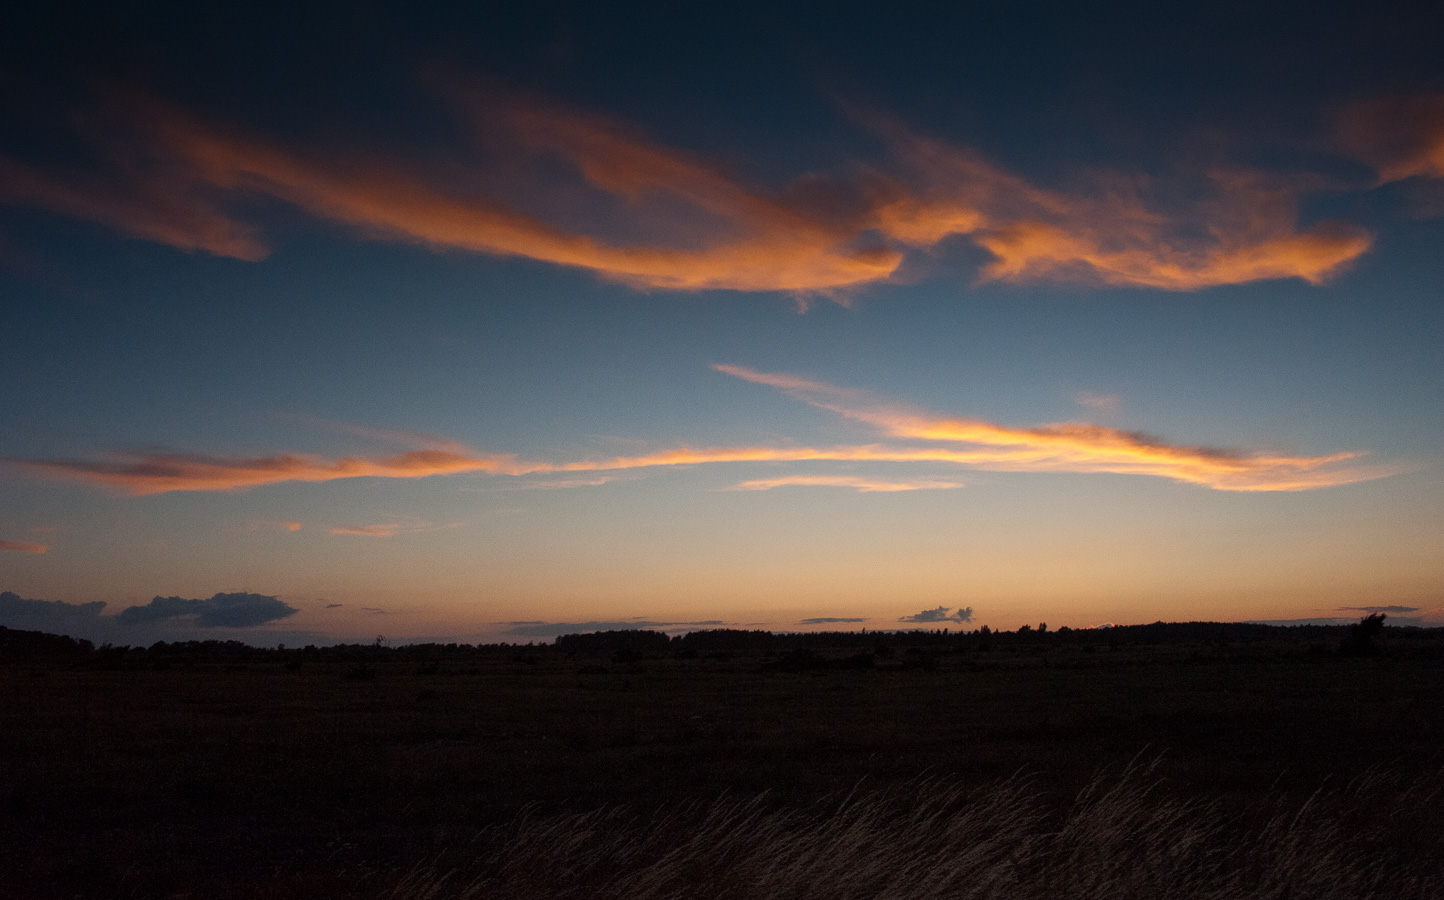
216, 771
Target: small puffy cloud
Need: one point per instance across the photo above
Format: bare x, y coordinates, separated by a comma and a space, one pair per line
940, 614
48, 615
1379, 609
829, 620
239, 610
24, 547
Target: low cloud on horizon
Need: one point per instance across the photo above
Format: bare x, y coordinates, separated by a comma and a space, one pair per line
940, 614
162, 618
553, 629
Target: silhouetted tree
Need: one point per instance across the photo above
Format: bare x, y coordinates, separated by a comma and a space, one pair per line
1360, 639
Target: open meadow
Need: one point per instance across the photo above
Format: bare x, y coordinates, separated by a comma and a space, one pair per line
217, 770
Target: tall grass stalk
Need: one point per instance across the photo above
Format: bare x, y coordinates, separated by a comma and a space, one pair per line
1123, 837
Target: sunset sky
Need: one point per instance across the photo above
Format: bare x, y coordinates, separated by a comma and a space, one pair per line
492, 325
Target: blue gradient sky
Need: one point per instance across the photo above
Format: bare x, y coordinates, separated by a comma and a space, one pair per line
1163, 136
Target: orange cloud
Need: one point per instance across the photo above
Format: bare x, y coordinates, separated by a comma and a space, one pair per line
267, 525
1401, 137
764, 244
24, 547
1239, 226
970, 443
367, 530
660, 218
862, 485
165, 208
1075, 447
159, 473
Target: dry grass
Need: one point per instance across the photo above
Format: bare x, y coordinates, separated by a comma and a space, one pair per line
1121, 838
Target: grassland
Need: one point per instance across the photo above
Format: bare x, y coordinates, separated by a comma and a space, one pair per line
411, 772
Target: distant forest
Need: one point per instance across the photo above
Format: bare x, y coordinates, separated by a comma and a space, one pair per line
792, 650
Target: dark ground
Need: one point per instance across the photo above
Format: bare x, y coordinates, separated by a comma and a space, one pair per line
216, 771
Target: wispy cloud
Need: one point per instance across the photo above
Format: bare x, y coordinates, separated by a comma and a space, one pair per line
1073, 447
155, 473
830, 620
863, 485
557, 484
272, 525
1401, 137
664, 218
914, 435
1097, 402
1379, 609
162, 206
1233, 225
24, 547
384, 531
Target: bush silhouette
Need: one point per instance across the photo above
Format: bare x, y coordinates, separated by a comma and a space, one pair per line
1360, 639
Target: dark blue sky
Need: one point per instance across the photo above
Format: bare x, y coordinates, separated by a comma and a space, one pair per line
1071, 313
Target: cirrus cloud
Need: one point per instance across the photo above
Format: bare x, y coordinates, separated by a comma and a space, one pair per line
858, 483
24, 547
1401, 137
914, 436
669, 219
384, 531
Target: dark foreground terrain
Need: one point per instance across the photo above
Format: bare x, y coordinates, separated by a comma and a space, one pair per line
1242, 760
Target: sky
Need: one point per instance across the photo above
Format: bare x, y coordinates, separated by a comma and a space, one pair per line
321, 322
